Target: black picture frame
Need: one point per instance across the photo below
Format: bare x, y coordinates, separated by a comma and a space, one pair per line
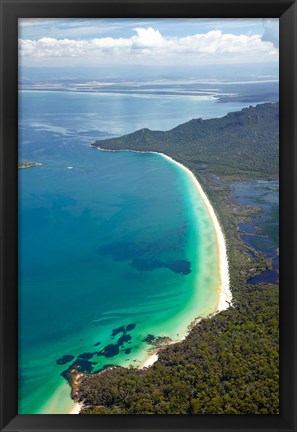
11, 10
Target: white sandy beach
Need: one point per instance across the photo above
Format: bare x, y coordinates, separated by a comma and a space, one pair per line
76, 409
225, 295
224, 292
149, 361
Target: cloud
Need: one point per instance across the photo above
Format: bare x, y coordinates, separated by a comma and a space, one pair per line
271, 31
147, 38
28, 22
148, 44
75, 28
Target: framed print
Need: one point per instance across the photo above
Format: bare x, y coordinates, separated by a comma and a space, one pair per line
148, 238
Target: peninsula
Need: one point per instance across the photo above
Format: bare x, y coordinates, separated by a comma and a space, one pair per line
244, 142
227, 364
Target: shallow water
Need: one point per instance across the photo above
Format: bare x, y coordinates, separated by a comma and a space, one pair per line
263, 233
106, 240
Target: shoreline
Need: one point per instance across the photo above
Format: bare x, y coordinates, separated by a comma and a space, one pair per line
76, 409
224, 292
225, 295
150, 360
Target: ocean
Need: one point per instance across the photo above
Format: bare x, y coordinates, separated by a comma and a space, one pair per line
116, 249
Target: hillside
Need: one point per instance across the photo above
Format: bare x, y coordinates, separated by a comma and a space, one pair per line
246, 141
228, 364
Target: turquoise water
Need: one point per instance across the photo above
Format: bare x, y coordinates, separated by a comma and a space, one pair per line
105, 239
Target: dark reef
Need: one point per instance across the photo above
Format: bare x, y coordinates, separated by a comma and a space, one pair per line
142, 255
65, 359
228, 364
179, 266
79, 366
109, 350
118, 330
124, 338
86, 356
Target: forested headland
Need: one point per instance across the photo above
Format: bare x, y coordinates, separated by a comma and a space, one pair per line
228, 364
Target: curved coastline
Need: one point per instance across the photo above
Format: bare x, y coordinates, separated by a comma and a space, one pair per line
224, 292
225, 296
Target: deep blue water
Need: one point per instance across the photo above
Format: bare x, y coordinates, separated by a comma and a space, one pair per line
105, 239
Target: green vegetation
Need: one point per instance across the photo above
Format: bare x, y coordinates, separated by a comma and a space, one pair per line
28, 164
246, 141
228, 364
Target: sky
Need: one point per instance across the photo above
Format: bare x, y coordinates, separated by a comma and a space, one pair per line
121, 42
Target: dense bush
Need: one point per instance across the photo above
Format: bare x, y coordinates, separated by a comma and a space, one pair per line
228, 364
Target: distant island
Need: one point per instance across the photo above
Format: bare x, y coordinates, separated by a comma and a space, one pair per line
227, 364
28, 164
224, 92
